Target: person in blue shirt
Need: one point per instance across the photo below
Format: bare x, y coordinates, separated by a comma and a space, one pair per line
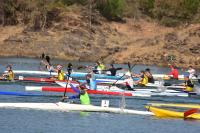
91, 81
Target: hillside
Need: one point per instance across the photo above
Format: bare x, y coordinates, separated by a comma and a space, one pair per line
69, 36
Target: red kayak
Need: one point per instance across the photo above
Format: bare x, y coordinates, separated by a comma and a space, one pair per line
34, 79
62, 89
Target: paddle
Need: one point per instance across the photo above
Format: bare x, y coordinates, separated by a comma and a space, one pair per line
123, 101
130, 68
190, 112
68, 76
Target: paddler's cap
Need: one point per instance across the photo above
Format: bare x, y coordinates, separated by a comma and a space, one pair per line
59, 67
9, 66
83, 87
147, 69
89, 75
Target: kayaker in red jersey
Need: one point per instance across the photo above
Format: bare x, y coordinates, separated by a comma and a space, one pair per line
174, 72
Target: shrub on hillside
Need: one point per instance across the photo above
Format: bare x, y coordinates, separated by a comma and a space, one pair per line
70, 2
111, 9
147, 6
171, 12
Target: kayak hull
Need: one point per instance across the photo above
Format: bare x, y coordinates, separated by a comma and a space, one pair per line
164, 113
197, 106
60, 106
82, 74
113, 91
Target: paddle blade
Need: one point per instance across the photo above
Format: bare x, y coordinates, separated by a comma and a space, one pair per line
189, 112
129, 65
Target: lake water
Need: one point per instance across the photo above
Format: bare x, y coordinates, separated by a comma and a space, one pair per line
37, 121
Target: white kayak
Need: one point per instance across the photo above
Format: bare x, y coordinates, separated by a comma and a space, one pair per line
60, 106
114, 90
149, 85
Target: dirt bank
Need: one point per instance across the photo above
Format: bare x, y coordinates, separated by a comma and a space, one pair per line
137, 41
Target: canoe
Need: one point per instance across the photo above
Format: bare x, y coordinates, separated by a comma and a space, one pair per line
181, 105
165, 113
114, 91
60, 106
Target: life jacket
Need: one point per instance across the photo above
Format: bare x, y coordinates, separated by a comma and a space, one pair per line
189, 87
85, 99
144, 80
100, 67
61, 75
10, 75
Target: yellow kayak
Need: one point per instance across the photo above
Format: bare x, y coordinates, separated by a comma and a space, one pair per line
197, 106
164, 113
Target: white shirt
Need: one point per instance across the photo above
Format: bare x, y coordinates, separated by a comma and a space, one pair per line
192, 72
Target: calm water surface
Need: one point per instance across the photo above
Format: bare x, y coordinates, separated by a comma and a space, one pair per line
36, 121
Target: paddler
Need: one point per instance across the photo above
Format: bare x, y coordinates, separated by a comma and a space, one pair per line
91, 81
82, 94
61, 74
47, 63
129, 81
99, 67
192, 72
174, 72
143, 79
188, 84
69, 68
113, 70
149, 75
9, 75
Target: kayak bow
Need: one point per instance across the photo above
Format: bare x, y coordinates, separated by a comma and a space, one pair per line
165, 113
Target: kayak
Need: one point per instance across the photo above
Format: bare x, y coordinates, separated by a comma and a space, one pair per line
165, 113
108, 82
73, 74
114, 91
83, 74
60, 106
106, 87
62, 89
18, 94
22, 79
175, 105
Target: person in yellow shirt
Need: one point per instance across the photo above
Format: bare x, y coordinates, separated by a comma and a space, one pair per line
189, 85
100, 67
143, 79
9, 74
60, 72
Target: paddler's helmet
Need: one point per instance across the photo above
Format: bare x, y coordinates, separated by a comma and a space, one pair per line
59, 67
